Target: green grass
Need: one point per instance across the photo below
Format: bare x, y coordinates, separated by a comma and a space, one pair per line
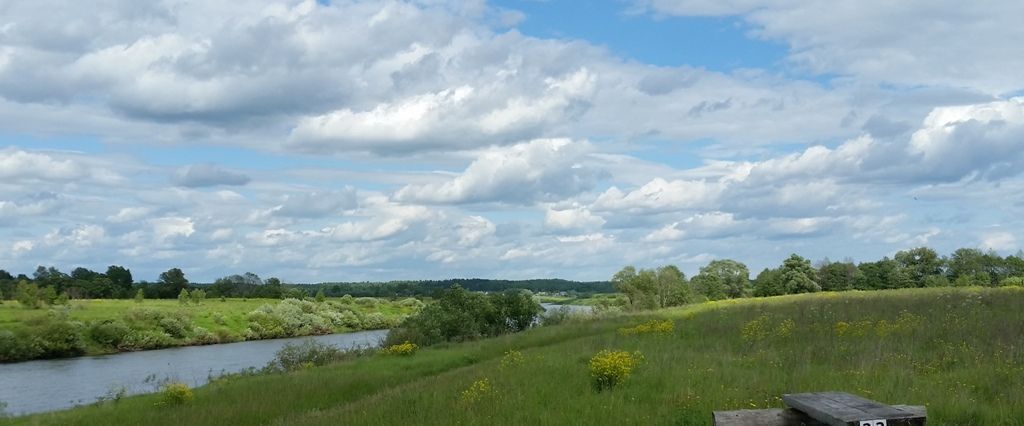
590, 300
960, 352
14, 317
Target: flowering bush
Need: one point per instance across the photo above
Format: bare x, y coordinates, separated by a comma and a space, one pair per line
476, 391
175, 394
610, 368
652, 326
403, 349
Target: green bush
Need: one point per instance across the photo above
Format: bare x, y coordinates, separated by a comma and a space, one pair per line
141, 340
309, 353
16, 347
57, 339
460, 315
176, 326
110, 333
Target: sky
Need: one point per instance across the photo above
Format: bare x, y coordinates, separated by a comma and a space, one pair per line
378, 140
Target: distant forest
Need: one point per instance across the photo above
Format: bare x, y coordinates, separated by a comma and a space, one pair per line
721, 278
49, 284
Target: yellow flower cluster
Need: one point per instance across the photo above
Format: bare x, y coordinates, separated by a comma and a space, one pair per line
512, 359
404, 349
903, 323
652, 326
476, 391
609, 368
175, 394
761, 328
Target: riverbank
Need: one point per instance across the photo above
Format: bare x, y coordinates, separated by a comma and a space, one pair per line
97, 327
957, 351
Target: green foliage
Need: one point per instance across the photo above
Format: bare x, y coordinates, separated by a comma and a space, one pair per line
320, 297
198, 296
798, 276
110, 333
652, 289
300, 356
1012, 281
723, 278
460, 315
140, 296
183, 297
838, 276
28, 295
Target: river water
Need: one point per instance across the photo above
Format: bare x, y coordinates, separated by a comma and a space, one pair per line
48, 385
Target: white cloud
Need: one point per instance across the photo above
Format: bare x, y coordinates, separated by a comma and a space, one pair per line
953, 44
539, 170
165, 228
999, 241
205, 175
575, 217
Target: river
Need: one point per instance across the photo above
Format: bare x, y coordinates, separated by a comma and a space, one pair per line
55, 384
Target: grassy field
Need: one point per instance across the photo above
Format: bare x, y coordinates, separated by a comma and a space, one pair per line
589, 300
228, 318
960, 352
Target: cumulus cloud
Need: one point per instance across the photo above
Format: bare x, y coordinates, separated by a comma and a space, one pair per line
953, 44
539, 170
206, 175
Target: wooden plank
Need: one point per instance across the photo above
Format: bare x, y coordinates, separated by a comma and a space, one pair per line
843, 409
782, 417
769, 417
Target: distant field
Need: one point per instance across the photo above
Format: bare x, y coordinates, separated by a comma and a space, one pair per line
588, 300
960, 352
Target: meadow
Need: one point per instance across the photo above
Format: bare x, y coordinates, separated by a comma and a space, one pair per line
960, 352
211, 321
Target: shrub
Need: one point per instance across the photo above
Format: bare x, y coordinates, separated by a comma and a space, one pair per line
28, 295
610, 368
402, 349
16, 347
309, 353
183, 297
460, 315
141, 340
57, 339
110, 333
377, 321
140, 296
202, 336
176, 326
410, 303
173, 394
219, 319
367, 302
198, 296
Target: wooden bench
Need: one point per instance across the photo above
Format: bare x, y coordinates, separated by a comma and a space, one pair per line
825, 408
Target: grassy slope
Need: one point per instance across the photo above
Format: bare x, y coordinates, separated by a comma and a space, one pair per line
960, 352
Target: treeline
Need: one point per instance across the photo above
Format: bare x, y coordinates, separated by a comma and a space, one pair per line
431, 287
49, 285
725, 278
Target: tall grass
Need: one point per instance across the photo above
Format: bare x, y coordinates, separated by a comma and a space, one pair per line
960, 352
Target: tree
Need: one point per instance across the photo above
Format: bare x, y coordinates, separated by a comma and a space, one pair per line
28, 294
837, 276
174, 280
883, 274
84, 274
769, 283
723, 278
639, 287
320, 298
966, 262
672, 287
121, 277
919, 263
183, 297
198, 296
798, 276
